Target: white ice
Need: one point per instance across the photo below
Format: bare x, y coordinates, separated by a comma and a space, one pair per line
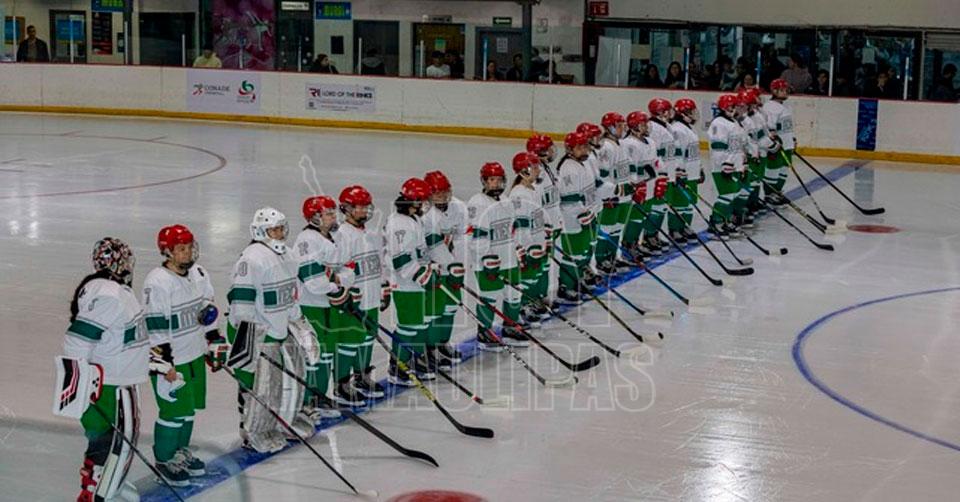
719, 412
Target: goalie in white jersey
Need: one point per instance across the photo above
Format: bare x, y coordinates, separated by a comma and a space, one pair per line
106, 356
264, 310
181, 320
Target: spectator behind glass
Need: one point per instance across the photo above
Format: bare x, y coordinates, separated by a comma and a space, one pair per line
322, 64
797, 74
674, 78
771, 68
942, 88
747, 82
371, 64
32, 49
881, 87
820, 86
515, 73
841, 86
452, 60
728, 74
437, 69
709, 78
493, 73
651, 77
207, 59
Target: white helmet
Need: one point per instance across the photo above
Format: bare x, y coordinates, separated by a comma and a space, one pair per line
265, 219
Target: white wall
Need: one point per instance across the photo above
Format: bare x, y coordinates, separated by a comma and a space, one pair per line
912, 13
502, 108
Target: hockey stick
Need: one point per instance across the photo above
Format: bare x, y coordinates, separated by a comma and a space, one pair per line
602, 303
825, 247
639, 264
714, 281
570, 323
546, 382
581, 366
479, 432
136, 450
824, 229
762, 249
353, 416
827, 219
294, 433
716, 231
878, 210
735, 271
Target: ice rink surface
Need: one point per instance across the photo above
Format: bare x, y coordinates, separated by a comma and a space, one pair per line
790, 386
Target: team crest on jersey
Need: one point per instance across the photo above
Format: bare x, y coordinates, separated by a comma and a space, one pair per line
472, 212
399, 234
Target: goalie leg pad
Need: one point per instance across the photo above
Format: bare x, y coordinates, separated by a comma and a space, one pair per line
108, 456
291, 400
259, 426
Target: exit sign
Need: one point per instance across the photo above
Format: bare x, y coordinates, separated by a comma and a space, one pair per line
503, 21
334, 10
599, 9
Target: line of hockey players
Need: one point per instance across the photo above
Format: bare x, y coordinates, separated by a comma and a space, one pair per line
549, 234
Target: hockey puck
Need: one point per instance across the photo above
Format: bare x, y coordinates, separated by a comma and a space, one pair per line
437, 496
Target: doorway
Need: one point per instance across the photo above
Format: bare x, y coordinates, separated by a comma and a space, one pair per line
68, 36
294, 37
380, 45
437, 37
163, 36
497, 45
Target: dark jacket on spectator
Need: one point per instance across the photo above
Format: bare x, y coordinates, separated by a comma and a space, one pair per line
942, 90
43, 54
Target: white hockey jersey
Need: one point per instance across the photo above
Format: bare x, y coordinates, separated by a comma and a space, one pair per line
687, 148
361, 250
110, 330
578, 194
445, 233
549, 188
491, 231
662, 136
530, 222
728, 143
173, 303
758, 134
407, 251
593, 167
317, 267
642, 155
264, 290
614, 170
779, 118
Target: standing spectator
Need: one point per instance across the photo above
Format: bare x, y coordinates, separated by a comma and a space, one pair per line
747, 82
882, 87
437, 69
207, 59
452, 60
651, 77
797, 74
942, 88
371, 64
820, 86
841, 86
322, 64
709, 79
675, 77
539, 70
515, 73
32, 49
771, 68
493, 73
728, 74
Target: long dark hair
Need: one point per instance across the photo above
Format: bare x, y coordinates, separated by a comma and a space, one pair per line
74, 307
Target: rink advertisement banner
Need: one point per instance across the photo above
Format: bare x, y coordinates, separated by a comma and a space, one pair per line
223, 91
867, 125
341, 98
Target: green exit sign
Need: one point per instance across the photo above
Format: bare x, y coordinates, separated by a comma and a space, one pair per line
503, 21
334, 10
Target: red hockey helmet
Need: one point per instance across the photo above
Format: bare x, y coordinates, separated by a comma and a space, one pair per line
438, 181
747, 97
634, 119
539, 143
611, 119
656, 106
685, 105
575, 139
589, 130
523, 160
170, 236
779, 84
355, 195
314, 206
728, 102
415, 189
492, 169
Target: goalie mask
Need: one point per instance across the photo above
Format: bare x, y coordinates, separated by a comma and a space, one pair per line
115, 256
269, 226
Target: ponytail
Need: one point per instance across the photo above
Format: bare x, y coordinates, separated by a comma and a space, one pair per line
74, 307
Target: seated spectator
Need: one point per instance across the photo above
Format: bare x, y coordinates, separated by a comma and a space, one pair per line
881, 87
32, 49
841, 86
821, 86
728, 74
942, 88
675, 77
452, 59
748, 82
651, 77
515, 73
322, 64
208, 59
797, 74
371, 64
771, 67
493, 73
708, 79
437, 69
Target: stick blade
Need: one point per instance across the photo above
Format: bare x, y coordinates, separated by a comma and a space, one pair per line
564, 382
584, 365
497, 402
741, 271
877, 210
477, 432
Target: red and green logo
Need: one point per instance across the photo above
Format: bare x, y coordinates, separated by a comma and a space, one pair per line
247, 89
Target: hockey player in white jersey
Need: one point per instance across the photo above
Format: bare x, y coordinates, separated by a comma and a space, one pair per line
641, 154
181, 319
549, 186
495, 257
728, 141
661, 113
682, 192
445, 230
593, 133
578, 195
264, 309
615, 191
316, 253
106, 356
530, 228
779, 118
759, 145
413, 274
